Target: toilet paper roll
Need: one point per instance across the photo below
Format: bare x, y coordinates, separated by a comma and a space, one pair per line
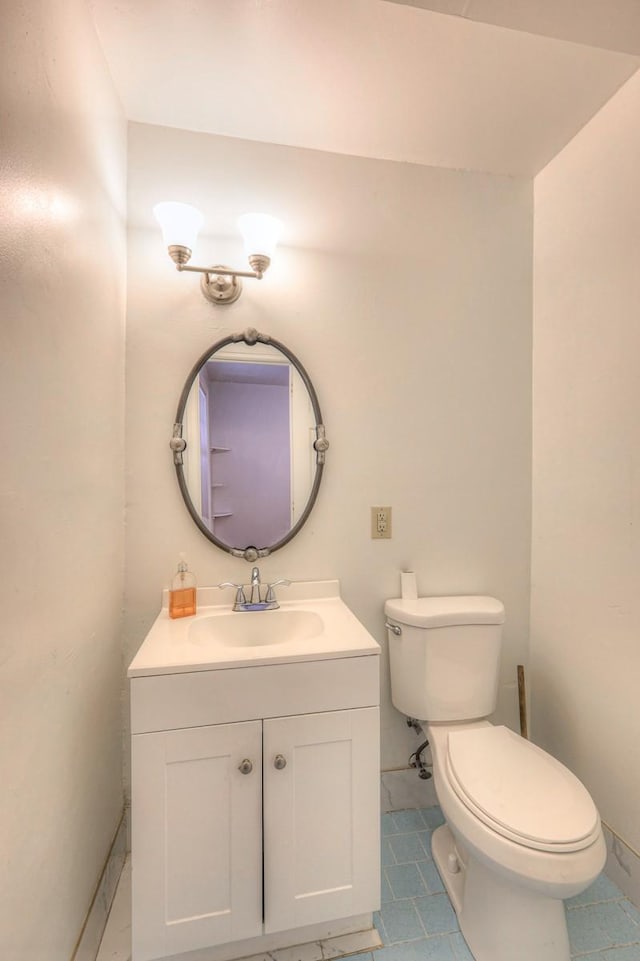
408, 586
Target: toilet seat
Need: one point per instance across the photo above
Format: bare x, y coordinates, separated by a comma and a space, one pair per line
520, 791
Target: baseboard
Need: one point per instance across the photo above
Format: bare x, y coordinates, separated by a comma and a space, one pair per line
320, 942
96, 920
403, 789
623, 865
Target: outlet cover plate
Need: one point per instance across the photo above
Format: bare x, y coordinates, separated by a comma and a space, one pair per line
380, 523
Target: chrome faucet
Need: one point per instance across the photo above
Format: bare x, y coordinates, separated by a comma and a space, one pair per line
255, 602
255, 587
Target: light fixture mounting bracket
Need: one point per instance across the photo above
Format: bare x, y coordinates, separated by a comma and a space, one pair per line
220, 288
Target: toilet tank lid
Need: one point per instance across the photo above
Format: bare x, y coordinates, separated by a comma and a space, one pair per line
446, 611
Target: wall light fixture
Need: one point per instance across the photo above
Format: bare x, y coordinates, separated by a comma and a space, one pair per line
220, 285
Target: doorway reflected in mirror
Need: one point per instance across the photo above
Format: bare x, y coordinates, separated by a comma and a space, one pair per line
254, 444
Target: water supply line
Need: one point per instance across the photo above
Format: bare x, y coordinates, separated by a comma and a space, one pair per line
416, 760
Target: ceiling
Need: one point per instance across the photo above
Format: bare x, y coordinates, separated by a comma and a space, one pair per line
489, 85
610, 24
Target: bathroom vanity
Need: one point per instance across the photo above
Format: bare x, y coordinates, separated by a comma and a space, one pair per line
255, 777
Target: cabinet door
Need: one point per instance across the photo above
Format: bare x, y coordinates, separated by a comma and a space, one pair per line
321, 817
196, 838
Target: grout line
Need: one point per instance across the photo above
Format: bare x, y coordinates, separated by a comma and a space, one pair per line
426, 933
590, 904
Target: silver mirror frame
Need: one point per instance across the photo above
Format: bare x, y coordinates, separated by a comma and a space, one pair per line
178, 445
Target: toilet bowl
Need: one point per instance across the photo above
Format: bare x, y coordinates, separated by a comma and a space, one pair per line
522, 833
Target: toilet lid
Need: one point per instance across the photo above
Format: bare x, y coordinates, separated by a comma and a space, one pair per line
519, 790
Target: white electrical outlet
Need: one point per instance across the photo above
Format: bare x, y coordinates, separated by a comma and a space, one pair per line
380, 522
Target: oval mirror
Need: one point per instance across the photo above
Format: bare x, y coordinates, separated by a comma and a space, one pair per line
249, 444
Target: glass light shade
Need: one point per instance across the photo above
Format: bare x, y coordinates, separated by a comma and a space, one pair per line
180, 223
260, 232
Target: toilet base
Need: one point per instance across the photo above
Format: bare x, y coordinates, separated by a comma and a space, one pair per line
500, 920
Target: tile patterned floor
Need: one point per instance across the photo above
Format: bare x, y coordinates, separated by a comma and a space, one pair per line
417, 923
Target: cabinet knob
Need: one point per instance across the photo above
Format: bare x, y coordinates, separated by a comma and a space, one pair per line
246, 767
279, 762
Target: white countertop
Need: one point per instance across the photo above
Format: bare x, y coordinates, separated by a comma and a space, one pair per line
167, 648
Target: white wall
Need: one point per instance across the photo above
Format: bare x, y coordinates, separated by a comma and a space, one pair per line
406, 293
585, 621
61, 380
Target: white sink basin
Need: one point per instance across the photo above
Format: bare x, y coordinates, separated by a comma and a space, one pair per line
311, 624
256, 628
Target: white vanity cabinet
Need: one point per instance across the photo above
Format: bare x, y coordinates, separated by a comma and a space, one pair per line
255, 803
321, 819
196, 838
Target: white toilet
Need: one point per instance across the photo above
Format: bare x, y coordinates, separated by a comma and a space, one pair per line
522, 833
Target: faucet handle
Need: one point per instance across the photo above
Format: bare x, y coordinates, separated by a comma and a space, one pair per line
271, 596
240, 598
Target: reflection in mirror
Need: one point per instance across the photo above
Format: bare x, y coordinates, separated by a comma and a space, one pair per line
252, 463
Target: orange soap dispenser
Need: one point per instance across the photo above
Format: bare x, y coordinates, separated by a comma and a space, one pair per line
182, 596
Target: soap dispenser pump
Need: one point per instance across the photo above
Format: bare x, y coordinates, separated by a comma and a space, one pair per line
182, 596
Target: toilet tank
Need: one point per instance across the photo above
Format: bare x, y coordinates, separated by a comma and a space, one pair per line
445, 659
